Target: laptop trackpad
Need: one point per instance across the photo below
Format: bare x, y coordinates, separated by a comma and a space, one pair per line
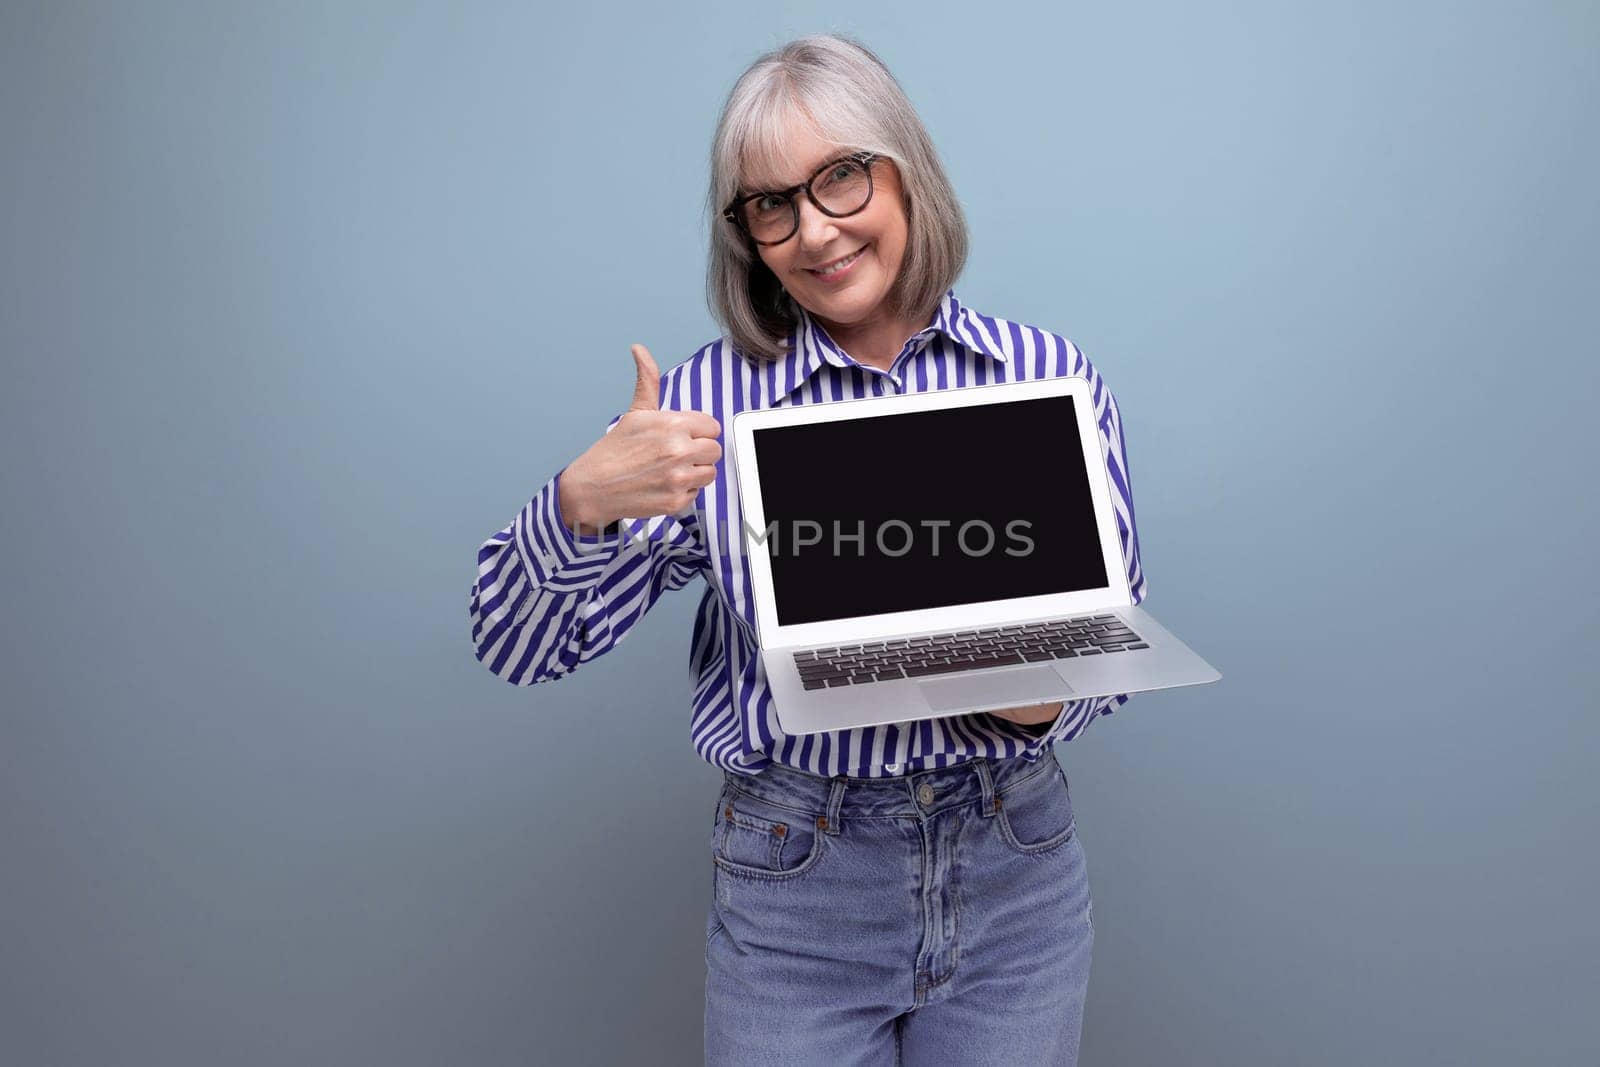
1002, 689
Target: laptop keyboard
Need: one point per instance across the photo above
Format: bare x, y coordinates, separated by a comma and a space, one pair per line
964, 650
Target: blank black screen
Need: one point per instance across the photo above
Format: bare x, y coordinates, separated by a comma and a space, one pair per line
953, 507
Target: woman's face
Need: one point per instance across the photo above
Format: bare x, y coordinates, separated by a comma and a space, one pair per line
876, 236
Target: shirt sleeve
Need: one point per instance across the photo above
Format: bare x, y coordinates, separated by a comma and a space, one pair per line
547, 600
1075, 715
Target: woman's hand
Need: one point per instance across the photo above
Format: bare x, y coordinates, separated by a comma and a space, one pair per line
1031, 715
652, 462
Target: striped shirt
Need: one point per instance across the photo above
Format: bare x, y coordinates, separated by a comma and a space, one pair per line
547, 601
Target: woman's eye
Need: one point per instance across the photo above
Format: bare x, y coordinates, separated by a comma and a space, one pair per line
769, 203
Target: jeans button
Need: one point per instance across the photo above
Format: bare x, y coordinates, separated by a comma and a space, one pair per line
925, 794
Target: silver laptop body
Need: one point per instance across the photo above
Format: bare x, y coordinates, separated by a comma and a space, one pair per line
941, 553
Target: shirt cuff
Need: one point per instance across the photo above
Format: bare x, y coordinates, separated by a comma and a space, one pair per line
1080, 713
554, 556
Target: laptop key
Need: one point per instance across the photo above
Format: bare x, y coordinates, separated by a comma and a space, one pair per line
1140, 645
994, 661
925, 669
814, 683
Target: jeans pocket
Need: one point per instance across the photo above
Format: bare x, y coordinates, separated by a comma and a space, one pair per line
1035, 814
757, 839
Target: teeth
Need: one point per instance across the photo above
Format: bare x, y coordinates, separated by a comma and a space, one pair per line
843, 263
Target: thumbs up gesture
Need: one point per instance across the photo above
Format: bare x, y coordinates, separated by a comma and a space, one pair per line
653, 462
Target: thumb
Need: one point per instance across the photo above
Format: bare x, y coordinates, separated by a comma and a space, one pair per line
647, 384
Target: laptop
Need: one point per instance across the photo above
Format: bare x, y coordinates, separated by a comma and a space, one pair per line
940, 553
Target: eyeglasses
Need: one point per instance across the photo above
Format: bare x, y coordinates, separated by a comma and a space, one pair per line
838, 188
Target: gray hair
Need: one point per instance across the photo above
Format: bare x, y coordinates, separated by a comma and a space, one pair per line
854, 102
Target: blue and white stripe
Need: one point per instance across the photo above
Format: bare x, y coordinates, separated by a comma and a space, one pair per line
546, 601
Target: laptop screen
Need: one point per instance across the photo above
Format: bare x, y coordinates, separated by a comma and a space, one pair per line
927, 509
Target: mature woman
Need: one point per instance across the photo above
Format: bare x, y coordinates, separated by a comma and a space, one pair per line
915, 889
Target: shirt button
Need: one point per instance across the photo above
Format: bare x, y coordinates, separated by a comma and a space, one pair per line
892, 768
925, 794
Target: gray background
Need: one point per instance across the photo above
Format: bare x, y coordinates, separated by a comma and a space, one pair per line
299, 304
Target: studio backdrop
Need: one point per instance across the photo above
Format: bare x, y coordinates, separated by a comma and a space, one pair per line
300, 303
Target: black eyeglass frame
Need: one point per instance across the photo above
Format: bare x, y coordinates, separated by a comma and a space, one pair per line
866, 159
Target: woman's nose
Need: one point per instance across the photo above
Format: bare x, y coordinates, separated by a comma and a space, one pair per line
816, 229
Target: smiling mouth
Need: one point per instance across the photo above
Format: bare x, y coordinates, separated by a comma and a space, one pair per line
838, 264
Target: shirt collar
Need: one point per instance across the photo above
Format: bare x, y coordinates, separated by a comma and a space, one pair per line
809, 346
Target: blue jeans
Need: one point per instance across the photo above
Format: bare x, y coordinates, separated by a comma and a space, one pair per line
940, 917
